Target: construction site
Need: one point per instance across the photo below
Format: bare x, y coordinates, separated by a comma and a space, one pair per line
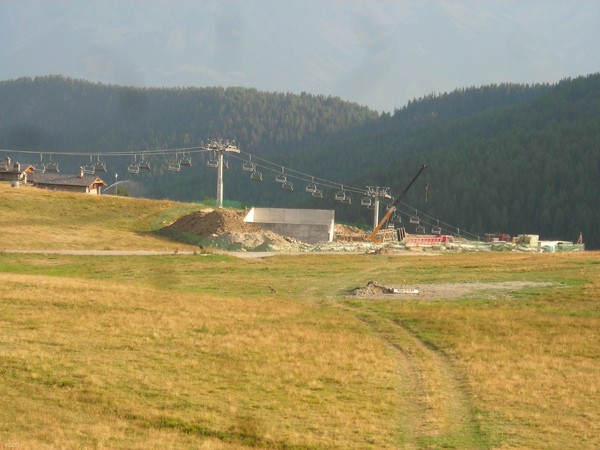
284, 229
235, 230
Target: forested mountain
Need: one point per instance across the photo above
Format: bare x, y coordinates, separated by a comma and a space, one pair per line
503, 158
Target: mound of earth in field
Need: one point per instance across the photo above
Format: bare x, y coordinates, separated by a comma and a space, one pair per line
372, 288
225, 228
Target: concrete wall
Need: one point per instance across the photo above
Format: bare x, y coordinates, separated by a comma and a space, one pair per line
306, 225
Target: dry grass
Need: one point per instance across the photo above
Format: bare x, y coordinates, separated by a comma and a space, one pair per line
51, 220
102, 364
208, 351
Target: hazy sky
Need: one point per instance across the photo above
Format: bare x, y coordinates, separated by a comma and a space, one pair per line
376, 53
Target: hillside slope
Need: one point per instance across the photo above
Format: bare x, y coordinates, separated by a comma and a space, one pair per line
36, 219
506, 158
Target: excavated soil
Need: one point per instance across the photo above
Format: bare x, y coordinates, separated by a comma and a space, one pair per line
375, 290
207, 223
223, 228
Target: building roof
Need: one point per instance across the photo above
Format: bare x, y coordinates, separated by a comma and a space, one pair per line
12, 168
64, 179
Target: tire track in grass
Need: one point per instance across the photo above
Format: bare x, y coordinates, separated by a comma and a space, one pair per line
434, 408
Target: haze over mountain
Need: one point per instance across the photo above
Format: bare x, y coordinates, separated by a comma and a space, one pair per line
380, 54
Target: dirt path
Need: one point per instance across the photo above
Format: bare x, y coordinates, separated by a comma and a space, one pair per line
434, 408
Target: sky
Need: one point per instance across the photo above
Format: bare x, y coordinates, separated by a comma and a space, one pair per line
377, 53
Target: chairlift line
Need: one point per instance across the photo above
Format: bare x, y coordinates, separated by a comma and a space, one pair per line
314, 186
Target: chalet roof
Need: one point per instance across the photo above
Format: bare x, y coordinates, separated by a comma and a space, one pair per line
12, 168
64, 179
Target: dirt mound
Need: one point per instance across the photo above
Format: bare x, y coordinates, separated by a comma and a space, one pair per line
217, 222
224, 228
372, 288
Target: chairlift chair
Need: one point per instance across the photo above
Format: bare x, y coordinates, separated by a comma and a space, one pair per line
311, 187
340, 195
90, 168
318, 193
144, 165
225, 164
420, 229
365, 201
5, 164
287, 186
40, 166
133, 166
347, 200
436, 229
281, 177
52, 166
249, 166
185, 161
100, 166
397, 218
415, 218
213, 162
174, 166
256, 176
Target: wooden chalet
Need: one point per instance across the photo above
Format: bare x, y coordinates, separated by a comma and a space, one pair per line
85, 183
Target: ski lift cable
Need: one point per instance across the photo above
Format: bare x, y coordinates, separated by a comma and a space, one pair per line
436, 222
292, 173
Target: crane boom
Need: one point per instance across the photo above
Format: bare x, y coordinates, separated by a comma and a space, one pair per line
388, 214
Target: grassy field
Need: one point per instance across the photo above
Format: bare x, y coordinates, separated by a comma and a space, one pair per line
34, 218
212, 351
